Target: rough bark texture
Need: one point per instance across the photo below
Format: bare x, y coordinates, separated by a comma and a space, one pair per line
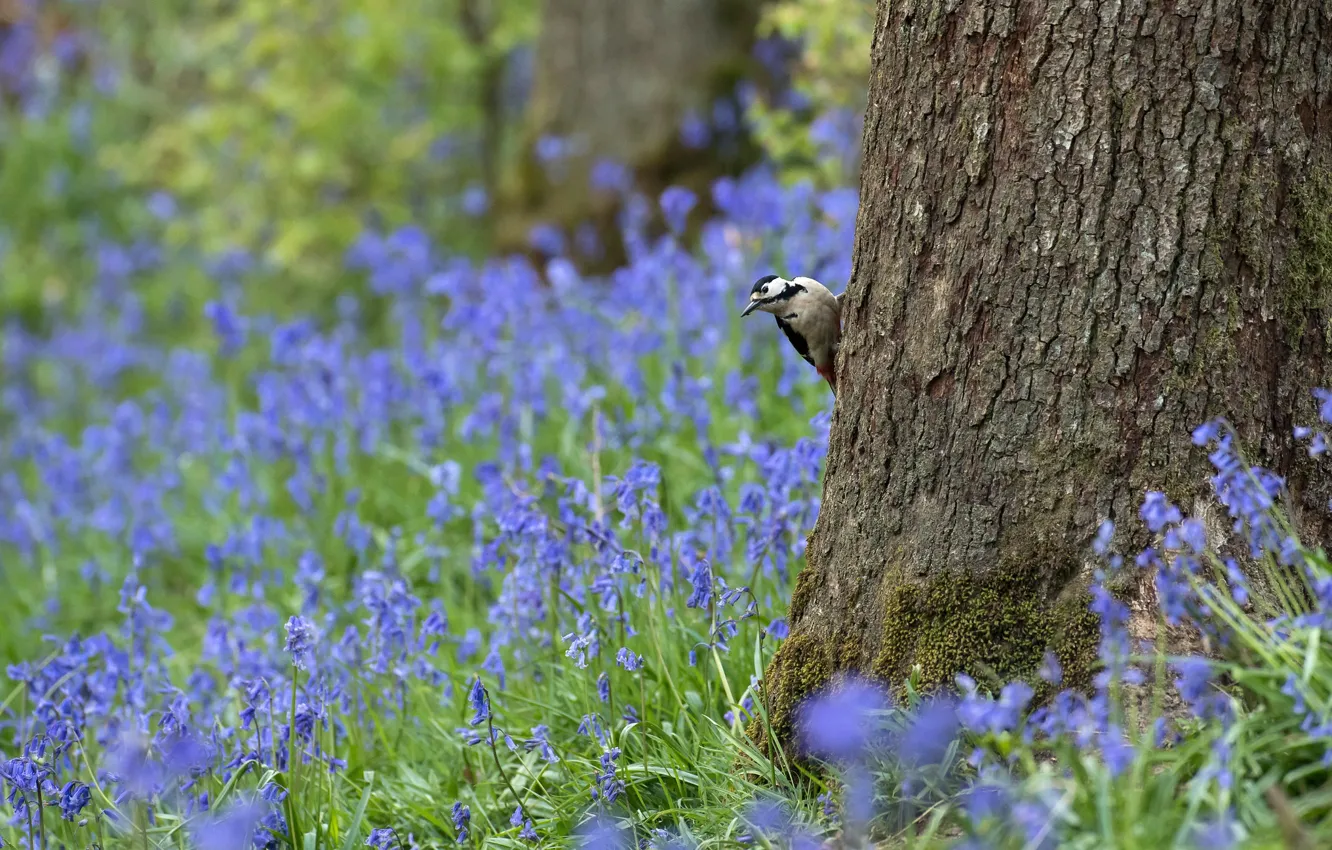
1085, 227
616, 77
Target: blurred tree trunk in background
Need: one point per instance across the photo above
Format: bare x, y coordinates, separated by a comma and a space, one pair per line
614, 78
1084, 229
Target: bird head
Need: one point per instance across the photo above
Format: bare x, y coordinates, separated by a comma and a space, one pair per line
764, 294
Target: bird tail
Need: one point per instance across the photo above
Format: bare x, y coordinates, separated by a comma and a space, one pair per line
830, 375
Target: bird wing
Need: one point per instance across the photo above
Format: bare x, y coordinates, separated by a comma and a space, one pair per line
797, 341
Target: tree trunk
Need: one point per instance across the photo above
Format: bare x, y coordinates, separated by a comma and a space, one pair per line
615, 78
1085, 227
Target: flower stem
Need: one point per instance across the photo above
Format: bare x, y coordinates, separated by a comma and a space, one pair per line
490, 724
41, 814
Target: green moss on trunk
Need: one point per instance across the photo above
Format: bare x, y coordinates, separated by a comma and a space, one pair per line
1307, 296
805, 665
994, 626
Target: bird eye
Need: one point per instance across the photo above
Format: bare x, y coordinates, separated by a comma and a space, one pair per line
764, 290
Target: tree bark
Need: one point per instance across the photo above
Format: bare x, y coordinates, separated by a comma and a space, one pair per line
615, 78
1086, 226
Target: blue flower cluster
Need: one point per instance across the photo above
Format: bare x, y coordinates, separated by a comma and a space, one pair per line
265, 551
1074, 768
492, 551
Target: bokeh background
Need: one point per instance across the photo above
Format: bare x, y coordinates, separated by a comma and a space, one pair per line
383, 458
384, 461
275, 134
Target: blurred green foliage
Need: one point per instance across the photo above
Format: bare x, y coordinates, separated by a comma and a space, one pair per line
830, 75
280, 125
281, 122
283, 128
278, 128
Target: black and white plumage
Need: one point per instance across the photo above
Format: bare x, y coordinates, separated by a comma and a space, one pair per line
809, 315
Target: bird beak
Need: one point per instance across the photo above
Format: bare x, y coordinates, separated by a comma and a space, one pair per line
750, 307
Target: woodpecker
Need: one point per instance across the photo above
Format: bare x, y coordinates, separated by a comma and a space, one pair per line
809, 315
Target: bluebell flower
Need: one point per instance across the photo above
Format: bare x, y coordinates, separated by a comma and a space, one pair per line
1207, 432
74, 797
1324, 398
580, 647
550, 149
694, 131
1239, 584
475, 201
1218, 833
1036, 821
1174, 591
701, 580
724, 115
628, 660
1104, 534
769, 817
837, 134
1116, 751
139, 775
462, 819
1318, 444
272, 828
233, 829
676, 202
24, 776
469, 736
1194, 534
547, 239
494, 665
468, 646
519, 818
602, 834
982, 801
607, 175
746, 712
1157, 512
480, 702
183, 752
1114, 615
528, 832
590, 724
300, 641
1050, 670
980, 713
588, 242
540, 740
1291, 688
931, 730
608, 784
843, 723
1194, 683
162, 205
229, 327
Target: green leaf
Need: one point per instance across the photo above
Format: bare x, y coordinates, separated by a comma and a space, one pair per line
354, 828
